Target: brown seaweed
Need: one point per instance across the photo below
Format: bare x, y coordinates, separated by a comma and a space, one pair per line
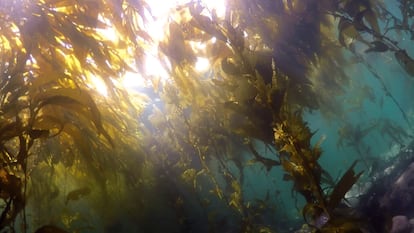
405, 61
348, 179
269, 62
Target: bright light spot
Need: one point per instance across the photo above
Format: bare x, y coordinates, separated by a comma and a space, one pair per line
108, 33
163, 8
165, 11
154, 67
167, 6
198, 46
14, 28
99, 85
133, 80
219, 6
156, 29
202, 64
161, 11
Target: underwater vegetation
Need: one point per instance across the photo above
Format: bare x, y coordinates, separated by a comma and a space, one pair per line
83, 150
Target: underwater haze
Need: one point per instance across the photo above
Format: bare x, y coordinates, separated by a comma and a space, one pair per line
236, 116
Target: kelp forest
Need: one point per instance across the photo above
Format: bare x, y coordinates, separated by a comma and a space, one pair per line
234, 116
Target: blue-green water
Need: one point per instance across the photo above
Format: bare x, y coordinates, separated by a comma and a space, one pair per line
176, 177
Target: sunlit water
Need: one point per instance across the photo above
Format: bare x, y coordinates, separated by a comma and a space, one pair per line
261, 184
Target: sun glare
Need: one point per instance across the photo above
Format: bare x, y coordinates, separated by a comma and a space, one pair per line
108, 33
157, 27
133, 81
163, 14
218, 6
153, 67
202, 64
99, 85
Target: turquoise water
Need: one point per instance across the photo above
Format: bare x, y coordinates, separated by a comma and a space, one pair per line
168, 185
270, 198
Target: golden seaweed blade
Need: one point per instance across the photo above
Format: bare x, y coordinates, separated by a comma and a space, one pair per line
47, 59
224, 76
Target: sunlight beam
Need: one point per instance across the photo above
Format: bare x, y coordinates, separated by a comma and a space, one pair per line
155, 68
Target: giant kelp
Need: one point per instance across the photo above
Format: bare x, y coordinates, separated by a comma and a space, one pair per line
261, 86
270, 62
49, 114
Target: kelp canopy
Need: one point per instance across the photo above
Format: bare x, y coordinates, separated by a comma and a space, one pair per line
217, 86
